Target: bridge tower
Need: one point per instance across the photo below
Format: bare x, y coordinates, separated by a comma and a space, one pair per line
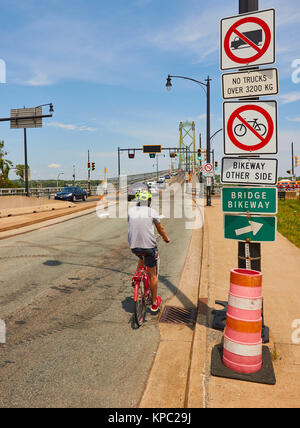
187, 144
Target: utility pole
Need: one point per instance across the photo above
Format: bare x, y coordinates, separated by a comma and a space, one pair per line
26, 164
89, 174
208, 188
200, 144
293, 162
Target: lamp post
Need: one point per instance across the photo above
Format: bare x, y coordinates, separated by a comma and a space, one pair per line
61, 173
207, 91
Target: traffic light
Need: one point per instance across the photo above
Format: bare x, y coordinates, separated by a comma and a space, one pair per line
205, 155
297, 161
131, 154
289, 171
216, 165
199, 154
93, 166
89, 166
152, 155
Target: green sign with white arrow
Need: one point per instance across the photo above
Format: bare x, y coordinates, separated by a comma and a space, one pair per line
253, 229
256, 200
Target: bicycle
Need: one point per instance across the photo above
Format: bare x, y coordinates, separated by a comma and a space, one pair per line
142, 293
240, 130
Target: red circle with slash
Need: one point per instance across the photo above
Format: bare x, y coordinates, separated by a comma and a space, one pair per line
260, 51
263, 140
208, 167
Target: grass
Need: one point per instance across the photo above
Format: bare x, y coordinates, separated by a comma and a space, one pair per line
289, 220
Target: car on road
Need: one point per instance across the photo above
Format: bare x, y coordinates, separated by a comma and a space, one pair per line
173, 173
71, 193
153, 189
161, 184
134, 188
167, 177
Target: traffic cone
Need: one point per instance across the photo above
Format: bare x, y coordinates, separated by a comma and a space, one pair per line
242, 349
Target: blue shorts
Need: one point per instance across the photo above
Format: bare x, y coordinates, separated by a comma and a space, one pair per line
149, 255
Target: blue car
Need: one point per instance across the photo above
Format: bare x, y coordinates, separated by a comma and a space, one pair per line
167, 177
72, 193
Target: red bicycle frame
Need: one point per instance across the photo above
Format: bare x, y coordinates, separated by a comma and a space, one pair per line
141, 274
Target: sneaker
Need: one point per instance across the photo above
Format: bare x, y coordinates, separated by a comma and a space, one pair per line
154, 308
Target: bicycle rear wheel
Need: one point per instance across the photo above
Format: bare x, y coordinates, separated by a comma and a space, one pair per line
140, 304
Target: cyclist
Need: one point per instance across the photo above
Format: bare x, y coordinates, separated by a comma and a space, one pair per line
142, 241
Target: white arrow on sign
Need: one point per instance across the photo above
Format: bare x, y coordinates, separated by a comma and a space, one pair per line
253, 227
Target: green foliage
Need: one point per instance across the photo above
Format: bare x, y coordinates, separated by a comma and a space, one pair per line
289, 220
5, 166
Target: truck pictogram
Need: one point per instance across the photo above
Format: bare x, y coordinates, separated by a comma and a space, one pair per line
255, 36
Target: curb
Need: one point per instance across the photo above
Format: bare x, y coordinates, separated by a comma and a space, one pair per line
170, 377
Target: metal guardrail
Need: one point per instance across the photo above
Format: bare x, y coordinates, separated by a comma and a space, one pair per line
50, 192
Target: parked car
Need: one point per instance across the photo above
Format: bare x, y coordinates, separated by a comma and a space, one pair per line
134, 188
72, 193
167, 177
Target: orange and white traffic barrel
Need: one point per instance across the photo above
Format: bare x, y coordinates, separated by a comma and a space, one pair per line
242, 350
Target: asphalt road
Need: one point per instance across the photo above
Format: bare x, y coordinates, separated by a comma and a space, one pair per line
66, 298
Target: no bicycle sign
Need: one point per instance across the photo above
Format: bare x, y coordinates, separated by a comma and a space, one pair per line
250, 127
248, 39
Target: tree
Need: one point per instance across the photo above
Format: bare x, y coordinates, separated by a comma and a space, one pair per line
19, 171
5, 166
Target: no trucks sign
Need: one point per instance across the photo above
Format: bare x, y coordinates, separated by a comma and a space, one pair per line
248, 40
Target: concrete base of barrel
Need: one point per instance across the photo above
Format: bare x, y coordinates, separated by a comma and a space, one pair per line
266, 375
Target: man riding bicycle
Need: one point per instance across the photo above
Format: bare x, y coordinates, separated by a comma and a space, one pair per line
142, 241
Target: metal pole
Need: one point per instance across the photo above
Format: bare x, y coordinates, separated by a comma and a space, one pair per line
208, 189
213, 177
248, 6
26, 164
293, 163
251, 249
89, 175
119, 167
200, 144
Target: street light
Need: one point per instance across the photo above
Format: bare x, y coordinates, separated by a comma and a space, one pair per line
61, 173
207, 92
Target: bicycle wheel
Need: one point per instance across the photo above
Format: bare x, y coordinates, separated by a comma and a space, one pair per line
261, 129
140, 304
240, 130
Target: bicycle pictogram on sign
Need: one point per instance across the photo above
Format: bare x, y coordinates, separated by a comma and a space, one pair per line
250, 128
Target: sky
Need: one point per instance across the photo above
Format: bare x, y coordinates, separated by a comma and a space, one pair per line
103, 64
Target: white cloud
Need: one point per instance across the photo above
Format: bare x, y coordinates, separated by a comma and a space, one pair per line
54, 165
293, 119
71, 127
291, 97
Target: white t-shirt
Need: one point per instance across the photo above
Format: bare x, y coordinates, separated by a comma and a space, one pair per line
141, 222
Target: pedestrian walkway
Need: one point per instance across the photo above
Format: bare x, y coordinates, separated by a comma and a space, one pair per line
181, 372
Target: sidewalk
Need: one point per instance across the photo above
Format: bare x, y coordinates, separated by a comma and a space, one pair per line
180, 376
25, 214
